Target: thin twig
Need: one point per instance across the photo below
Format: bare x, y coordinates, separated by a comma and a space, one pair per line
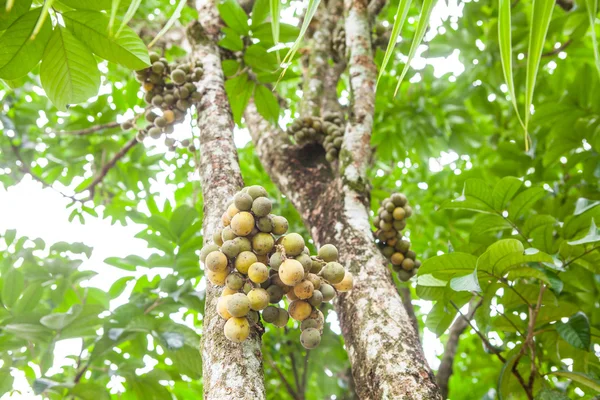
91, 129
289, 387
304, 374
295, 371
557, 50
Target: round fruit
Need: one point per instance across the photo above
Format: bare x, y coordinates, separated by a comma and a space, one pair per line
216, 261
275, 294
257, 191
346, 284
275, 260
259, 299
280, 225
309, 323
262, 243
216, 278
178, 76
317, 266
328, 292
206, 250
261, 206
293, 244
243, 243
244, 260
243, 201
304, 289
299, 310
237, 329
333, 272
291, 295
265, 224
270, 314
310, 338
328, 253
227, 234
399, 213
408, 264
230, 248
238, 305
258, 272
242, 223
232, 210
306, 262
227, 291
291, 272
222, 307
282, 318
397, 258
235, 281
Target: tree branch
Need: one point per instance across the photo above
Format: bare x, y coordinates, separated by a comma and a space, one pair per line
286, 383
304, 374
92, 129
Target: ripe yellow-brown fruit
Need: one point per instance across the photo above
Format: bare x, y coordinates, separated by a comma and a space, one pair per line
280, 225
293, 244
304, 289
291, 272
408, 264
222, 307
237, 329
242, 223
315, 280
258, 272
225, 219
216, 278
259, 299
299, 310
238, 304
148, 86
346, 284
232, 210
397, 258
291, 295
169, 116
244, 260
399, 213
262, 243
227, 290
216, 261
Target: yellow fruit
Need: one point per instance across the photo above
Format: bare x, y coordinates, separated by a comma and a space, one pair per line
216, 278
397, 258
237, 329
222, 307
227, 291
293, 244
232, 210
238, 304
258, 272
262, 243
315, 280
304, 289
346, 283
242, 223
216, 261
299, 310
291, 272
259, 299
148, 86
291, 295
225, 219
169, 116
399, 213
244, 260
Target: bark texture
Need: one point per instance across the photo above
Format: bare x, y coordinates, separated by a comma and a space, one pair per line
385, 352
231, 371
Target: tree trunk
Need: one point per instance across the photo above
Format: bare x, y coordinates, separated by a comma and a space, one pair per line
230, 370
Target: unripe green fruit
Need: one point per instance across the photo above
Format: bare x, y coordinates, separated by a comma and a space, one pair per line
309, 323
243, 201
242, 223
276, 260
282, 318
238, 305
237, 329
306, 262
154, 57
404, 275
402, 246
314, 279
261, 207
408, 264
411, 254
280, 225
154, 132
178, 76
227, 234
258, 272
243, 243
275, 294
184, 93
333, 272
293, 244
386, 216
262, 243
316, 299
127, 125
216, 261
157, 100
170, 100
310, 338
248, 286
304, 289
265, 224
257, 191
140, 136
230, 249
317, 266
150, 116
388, 251
206, 250
270, 314
299, 310
235, 281
291, 272
244, 260
252, 317
386, 226
259, 299
399, 199
158, 67
408, 210
160, 122
328, 253
182, 105
328, 292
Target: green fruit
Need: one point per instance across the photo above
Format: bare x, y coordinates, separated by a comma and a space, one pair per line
317, 265
178, 76
306, 262
280, 225
293, 244
310, 338
206, 250
243, 201
227, 234
398, 199
327, 291
403, 275
158, 67
230, 249
127, 125
243, 243
140, 136
275, 294
160, 122
261, 206
402, 246
182, 105
150, 116
252, 317
157, 100
282, 318
316, 299
235, 281
154, 132
328, 253
238, 305
275, 261
333, 272
257, 191
154, 57
265, 224
270, 314
309, 323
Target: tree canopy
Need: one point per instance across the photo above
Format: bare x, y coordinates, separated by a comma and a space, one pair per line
486, 116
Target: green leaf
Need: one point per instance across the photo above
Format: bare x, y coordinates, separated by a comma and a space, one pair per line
133, 6
505, 44
401, 12
59, 321
582, 205
18, 53
311, 9
593, 236
6, 379
260, 12
505, 190
424, 16
9, 236
234, 16
119, 286
497, 251
182, 218
30, 298
32, 332
121, 263
90, 391
231, 41
274, 8
239, 90
592, 9
447, 265
524, 200
476, 196
96, 5
69, 73
504, 378
126, 48
19, 8
439, 319
266, 104
540, 20
515, 260
579, 377
466, 283
259, 59
528, 272
12, 286
485, 223
264, 33
576, 331
174, 17
548, 394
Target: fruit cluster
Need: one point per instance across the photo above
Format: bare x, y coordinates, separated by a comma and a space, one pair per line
327, 131
170, 88
259, 263
390, 221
